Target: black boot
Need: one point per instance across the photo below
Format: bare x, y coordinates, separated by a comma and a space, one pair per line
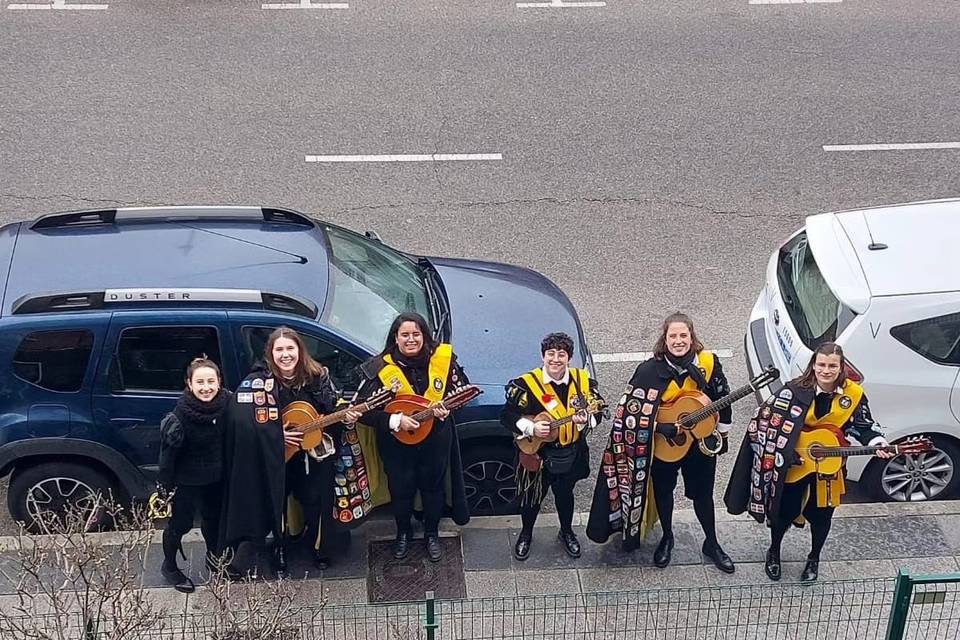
174, 576
280, 559
772, 565
719, 557
521, 550
811, 571
570, 543
321, 560
664, 551
434, 549
401, 546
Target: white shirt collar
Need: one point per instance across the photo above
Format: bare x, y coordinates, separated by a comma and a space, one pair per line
545, 377
832, 393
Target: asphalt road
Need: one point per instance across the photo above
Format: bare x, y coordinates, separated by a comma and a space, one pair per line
653, 155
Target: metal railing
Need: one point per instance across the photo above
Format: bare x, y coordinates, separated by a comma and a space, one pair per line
905, 607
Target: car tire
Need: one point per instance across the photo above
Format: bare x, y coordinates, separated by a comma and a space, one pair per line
53, 486
489, 478
883, 477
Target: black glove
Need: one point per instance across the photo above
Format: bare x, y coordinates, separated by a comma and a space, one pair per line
710, 442
667, 430
725, 445
793, 458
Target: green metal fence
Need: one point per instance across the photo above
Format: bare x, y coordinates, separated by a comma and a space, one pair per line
913, 607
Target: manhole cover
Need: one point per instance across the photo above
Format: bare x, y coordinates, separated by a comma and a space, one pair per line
391, 580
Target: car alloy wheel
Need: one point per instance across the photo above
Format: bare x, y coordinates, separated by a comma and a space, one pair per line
60, 495
917, 477
490, 486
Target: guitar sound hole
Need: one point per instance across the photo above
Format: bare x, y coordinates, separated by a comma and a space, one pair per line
680, 438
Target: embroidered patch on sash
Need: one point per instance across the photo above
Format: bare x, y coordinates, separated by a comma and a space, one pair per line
619, 412
437, 384
652, 394
245, 384
257, 383
245, 398
262, 416
643, 437
647, 408
846, 402
260, 398
644, 422
633, 406
752, 427
271, 400
628, 390
617, 436
765, 412
631, 422
638, 394
778, 459
274, 413
351, 437
781, 404
785, 393
787, 426
630, 437
346, 516
781, 442
795, 411
776, 421
268, 384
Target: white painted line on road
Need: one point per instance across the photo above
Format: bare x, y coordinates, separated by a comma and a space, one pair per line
57, 5
305, 4
795, 1
896, 146
640, 356
556, 4
426, 157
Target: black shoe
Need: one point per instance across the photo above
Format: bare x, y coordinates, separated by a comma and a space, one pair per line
321, 560
174, 576
280, 559
434, 549
521, 550
570, 543
771, 566
401, 546
719, 557
811, 571
664, 551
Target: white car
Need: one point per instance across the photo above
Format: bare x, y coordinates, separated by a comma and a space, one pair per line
884, 283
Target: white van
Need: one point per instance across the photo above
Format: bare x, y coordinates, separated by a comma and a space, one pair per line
884, 283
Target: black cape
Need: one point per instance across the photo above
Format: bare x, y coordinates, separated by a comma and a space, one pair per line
254, 467
622, 499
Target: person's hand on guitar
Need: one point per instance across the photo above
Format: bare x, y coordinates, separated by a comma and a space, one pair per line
408, 424
881, 453
440, 413
541, 429
580, 417
292, 437
351, 417
667, 430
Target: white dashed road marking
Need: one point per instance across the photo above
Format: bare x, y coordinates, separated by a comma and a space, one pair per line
640, 356
795, 1
558, 4
426, 157
57, 5
305, 4
896, 146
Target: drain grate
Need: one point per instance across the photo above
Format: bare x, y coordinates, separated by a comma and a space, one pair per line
392, 580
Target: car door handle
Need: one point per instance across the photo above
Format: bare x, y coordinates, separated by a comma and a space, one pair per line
127, 420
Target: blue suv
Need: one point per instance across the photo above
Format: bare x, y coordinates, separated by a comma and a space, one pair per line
102, 310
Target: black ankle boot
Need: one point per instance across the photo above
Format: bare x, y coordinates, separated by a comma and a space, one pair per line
719, 557
570, 543
771, 566
664, 551
434, 549
175, 577
280, 559
811, 570
521, 550
401, 546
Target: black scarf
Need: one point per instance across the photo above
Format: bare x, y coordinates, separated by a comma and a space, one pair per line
194, 410
684, 365
420, 361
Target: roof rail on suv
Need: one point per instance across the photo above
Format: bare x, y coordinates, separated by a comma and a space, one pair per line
86, 300
164, 214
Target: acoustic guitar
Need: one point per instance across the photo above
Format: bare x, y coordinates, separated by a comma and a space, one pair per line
530, 445
820, 452
421, 410
696, 417
301, 416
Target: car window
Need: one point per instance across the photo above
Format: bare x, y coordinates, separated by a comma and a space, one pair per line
54, 360
343, 366
816, 313
936, 339
156, 358
370, 283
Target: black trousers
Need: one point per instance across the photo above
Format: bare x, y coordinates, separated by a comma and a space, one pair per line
313, 488
791, 507
188, 501
699, 473
562, 487
412, 468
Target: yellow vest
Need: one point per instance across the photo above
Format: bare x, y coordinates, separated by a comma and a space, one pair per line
705, 360
579, 381
438, 371
842, 407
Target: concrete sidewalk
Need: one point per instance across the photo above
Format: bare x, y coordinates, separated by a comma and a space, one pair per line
868, 540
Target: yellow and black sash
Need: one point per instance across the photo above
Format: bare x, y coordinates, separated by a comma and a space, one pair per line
439, 371
579, 387
841, 408
705, 361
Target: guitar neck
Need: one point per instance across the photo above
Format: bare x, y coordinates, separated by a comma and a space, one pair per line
716, 406
335, 417
843, 452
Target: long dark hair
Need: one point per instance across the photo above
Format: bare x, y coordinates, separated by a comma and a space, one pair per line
307, 369
808, 379
429, 344
660, 348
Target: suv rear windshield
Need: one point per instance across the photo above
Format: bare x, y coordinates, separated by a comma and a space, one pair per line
816, 313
